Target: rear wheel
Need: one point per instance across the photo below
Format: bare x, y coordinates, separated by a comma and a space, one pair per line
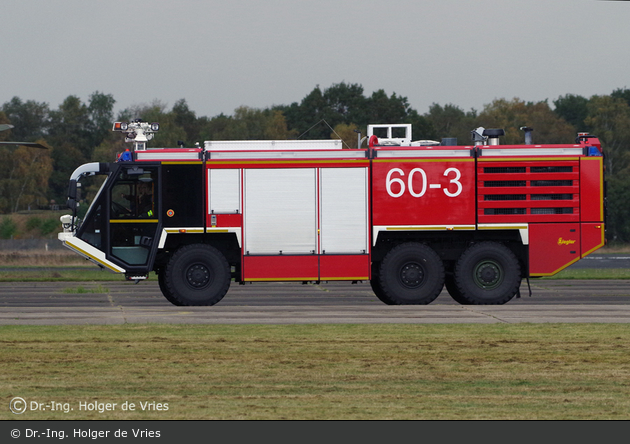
487, 273
411, 273
196, 275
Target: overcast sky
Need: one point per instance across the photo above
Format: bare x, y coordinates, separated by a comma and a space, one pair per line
219, 55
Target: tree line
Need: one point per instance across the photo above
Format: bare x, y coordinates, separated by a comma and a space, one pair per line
79, 132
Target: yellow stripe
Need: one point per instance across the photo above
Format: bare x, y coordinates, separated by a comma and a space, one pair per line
194, 162
133, 221
94, 258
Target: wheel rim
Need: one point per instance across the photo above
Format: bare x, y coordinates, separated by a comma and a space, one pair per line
411, 275
488, 274
198, 276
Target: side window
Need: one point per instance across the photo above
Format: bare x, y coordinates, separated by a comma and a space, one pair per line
134, 196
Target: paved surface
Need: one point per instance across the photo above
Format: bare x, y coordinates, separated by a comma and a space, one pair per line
290, 303
608, 260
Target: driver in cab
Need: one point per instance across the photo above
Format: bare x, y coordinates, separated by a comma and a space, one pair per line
142, 203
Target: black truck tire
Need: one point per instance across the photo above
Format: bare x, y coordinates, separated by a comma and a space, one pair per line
196, 274
411, 274
375, 283
167, 294
451, 287
487, 273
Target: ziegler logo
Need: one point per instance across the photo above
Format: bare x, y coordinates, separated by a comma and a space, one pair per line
565, 241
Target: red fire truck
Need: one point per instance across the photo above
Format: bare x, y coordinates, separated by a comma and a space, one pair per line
408, 216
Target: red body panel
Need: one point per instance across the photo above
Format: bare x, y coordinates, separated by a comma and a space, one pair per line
343, 267
591, 189
224, 220
423, 191
552, 247
280, 268
592, 237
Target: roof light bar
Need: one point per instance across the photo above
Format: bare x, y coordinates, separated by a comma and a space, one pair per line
137, 132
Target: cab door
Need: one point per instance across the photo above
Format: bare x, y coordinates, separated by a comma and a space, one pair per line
133, 217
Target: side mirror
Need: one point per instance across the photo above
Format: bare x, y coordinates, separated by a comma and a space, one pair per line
74, 194
72, 190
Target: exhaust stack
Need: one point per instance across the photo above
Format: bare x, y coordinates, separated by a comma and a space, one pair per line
528, 134
493, 135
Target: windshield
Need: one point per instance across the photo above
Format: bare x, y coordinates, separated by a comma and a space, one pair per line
90, 229
89, 185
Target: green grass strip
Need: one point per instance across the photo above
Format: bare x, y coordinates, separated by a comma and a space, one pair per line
319, 372
42, 274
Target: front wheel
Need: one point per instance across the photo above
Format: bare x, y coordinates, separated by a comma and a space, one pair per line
165, 291
487, 273
410, 274
196, 274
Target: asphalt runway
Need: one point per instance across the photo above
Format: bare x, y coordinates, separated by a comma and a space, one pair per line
609, 260
120, 302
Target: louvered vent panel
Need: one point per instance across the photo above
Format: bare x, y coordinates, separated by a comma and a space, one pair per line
539, 191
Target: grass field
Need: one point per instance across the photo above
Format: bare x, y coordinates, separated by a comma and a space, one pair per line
560, 371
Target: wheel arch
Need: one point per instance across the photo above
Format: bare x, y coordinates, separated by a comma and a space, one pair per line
226, 243
196, 274
451, 244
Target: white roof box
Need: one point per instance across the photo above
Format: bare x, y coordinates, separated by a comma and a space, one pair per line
271, 145
391, 134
